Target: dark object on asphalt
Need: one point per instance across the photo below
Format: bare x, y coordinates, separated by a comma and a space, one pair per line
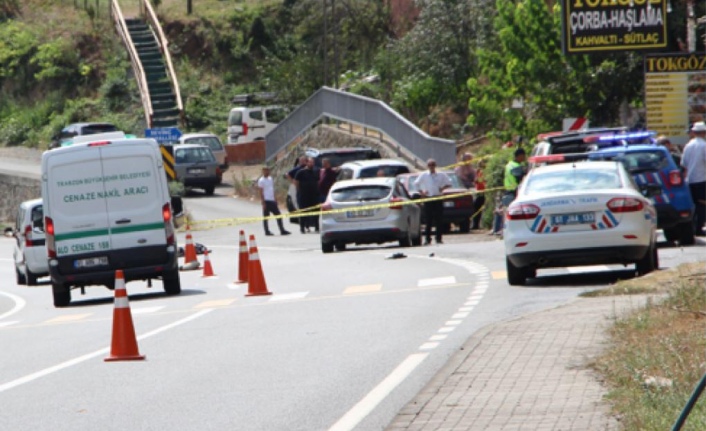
197, 246
396, 256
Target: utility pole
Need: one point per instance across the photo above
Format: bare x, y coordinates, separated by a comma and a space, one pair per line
335, 44
325, 45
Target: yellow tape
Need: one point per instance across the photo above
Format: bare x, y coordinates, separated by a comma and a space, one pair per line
224, 222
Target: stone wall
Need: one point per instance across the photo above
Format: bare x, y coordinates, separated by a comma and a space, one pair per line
15, 190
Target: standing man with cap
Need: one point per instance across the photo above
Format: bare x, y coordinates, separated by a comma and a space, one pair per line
693, 161
269, 205
431, 184
515, 170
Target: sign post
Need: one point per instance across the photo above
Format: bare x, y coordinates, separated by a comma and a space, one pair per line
166, 137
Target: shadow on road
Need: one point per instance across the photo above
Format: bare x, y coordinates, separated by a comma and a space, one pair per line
137, 297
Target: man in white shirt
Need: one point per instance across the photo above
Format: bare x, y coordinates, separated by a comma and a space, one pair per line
269, 205
693, 160
431, 184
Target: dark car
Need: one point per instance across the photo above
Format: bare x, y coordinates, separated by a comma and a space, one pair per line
457, 210
196, 167
654, 165
339, 156
80, 129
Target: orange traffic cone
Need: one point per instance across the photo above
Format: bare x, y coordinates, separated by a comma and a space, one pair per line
243, 260
124, 343
190, 260
256, 279
207, 268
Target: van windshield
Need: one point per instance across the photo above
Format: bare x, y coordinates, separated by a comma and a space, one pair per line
235, 118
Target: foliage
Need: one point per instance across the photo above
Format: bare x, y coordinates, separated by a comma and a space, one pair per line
55, 60
530, 69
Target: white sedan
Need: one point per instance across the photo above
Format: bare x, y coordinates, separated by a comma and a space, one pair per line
369, 210
580, 213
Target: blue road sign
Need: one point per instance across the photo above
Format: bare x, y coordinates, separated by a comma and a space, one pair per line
165, 134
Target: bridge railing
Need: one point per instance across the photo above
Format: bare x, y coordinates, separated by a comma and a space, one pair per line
364, 111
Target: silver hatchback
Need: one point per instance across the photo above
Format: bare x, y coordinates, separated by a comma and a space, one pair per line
369, 211
196, 167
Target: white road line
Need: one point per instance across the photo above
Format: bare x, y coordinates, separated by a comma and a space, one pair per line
288, 296
460, 315
146, 310
429, 346
8, 323
452, 323
19, 304
436, 281
472, 302
466, 309
363, 408
446, 329
438, 337
71, 362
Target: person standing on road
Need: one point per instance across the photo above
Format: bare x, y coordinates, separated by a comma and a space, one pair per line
465, 171
327, 176
515, 170
307, 183
673, 150
431, 184
269, 205
693, 161
479, 199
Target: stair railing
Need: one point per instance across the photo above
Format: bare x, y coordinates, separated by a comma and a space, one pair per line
149, 12
140, 76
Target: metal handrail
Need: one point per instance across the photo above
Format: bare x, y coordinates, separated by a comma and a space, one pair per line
164, 44
141, 78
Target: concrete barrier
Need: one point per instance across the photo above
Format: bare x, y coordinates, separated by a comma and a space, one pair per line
15, 189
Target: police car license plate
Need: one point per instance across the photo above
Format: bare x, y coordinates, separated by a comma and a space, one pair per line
359, 213
576, 218
91, 262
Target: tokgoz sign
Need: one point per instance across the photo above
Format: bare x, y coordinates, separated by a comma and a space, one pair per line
609, 25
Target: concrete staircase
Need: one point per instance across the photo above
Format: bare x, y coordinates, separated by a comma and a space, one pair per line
164, 105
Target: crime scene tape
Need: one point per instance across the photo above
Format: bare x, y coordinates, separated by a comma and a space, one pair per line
196, 225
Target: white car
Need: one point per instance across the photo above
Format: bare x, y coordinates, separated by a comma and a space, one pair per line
30, 252
580, 213
355, 222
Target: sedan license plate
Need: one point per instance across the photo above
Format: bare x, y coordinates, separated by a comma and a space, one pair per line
576, 218
359, 213
91, 262
197, 171
449, 204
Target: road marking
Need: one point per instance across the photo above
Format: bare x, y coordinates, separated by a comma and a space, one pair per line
288, 296
19, 304
429, 346
146, 310
8, 323
466, 309
71, 362
462, 315
446, 329
68, 318
362, 289
472, 302
452, 322
366, 405
583, 269
215, 303
235, 285
438, 337
436, 281
498, 275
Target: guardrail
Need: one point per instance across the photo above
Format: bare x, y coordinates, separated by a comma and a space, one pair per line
365, 111
140, 76
148, 11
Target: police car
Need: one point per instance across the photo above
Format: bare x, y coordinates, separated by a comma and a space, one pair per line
579, 213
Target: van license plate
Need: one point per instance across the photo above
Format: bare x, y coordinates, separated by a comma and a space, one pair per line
197, 171
91, 262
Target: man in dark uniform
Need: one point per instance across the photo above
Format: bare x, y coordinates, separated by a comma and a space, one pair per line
307, 183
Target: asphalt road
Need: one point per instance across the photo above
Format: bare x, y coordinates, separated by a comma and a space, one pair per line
344, 341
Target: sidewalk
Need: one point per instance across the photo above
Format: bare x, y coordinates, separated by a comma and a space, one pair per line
530, 373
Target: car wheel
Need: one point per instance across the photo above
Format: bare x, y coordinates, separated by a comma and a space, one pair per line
465, 226
516, 276
327, 247
62, 294
417, 240
171, 282
407, 240
686, 233
672, 234
210, 189
20, 278
31, 278
446, 227
340, 246
647, 263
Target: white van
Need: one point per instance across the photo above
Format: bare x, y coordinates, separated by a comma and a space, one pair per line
253, 123
107, 207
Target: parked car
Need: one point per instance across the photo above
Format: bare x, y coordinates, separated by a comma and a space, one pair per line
571, 142
196, 167
30, 252
372, 168
80, 129
355, 223
457, 210
653, 164
212, 142
580, 213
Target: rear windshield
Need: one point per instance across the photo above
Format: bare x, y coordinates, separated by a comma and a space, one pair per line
339, 158
210, 141
98, 128
193, 155
361, 193
235, 118
642, 161
383, 171
575, 179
